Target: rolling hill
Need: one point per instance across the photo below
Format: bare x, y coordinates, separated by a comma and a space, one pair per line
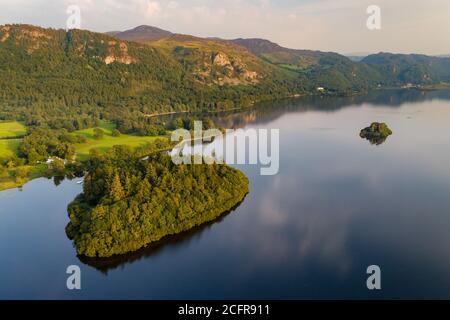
335, 72
208, 60
245, 61
142, 33
398, 69
315, 68
65, 78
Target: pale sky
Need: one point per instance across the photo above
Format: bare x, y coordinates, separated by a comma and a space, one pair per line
407, 26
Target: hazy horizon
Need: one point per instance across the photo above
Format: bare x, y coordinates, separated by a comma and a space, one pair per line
326, 25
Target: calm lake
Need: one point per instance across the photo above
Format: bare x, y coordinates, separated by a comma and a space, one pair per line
337, 206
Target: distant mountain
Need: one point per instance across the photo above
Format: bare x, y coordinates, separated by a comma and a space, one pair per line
141, 34
356, 58
260, 46
330, 70
113, 33
47, 75
397, 69
335, 72
292, 59
209, 60
339, 73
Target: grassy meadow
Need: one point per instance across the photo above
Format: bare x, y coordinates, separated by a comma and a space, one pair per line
108, 141
11, 129
9, 146
10, 134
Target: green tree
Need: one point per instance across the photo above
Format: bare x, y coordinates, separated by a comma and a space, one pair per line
33, 156
115, 133
208, 124
58, 166
10, 164
178, 123
21, 174
116, 192
161, 199
98, 133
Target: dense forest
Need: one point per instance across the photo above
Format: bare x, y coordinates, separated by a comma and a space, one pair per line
129, 201
70, 79
65, 79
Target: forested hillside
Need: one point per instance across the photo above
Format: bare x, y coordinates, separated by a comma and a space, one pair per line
66, 79
398, 69
341, 74
70, 79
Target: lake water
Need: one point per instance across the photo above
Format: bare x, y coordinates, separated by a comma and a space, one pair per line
338, 205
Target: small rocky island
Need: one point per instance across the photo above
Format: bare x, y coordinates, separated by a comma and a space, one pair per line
376, 133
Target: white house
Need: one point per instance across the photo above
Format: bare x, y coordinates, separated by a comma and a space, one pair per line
52, 159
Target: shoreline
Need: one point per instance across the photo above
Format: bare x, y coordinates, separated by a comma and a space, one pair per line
8, 183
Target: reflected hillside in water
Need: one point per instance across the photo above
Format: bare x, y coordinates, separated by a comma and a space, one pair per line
266, 112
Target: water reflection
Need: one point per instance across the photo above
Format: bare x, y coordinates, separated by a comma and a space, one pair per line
170, 242
337, 205
266, 112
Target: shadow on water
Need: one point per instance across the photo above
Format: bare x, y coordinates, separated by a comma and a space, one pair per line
169, 242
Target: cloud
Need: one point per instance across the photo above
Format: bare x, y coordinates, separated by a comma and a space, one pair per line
172, 5
153, 8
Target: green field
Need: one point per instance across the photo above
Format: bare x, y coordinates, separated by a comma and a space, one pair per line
108, 141
12, 129
8, 147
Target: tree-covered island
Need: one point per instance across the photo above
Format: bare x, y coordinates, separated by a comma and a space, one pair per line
129, 201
